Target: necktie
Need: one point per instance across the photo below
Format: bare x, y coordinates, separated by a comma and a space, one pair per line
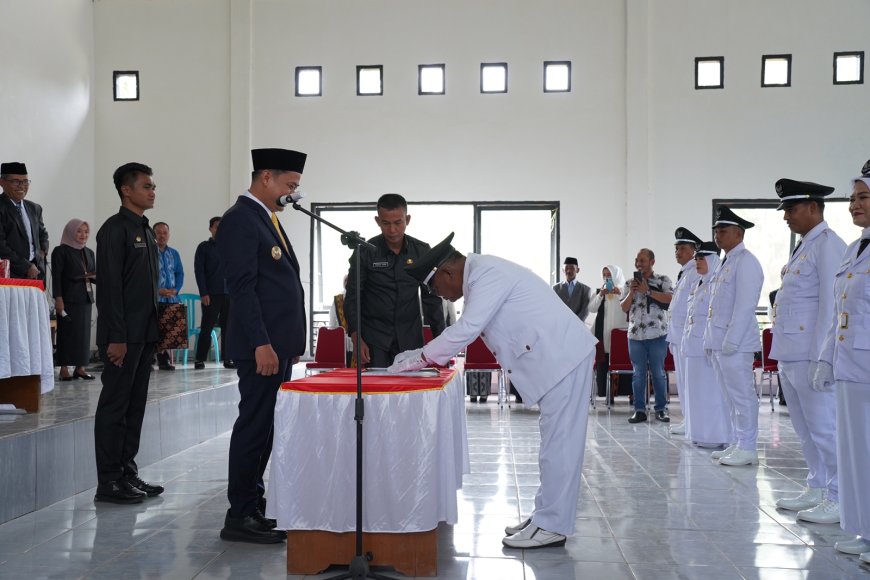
796, 248
26, 222
680, 275
278, 229
862, 246
570, 288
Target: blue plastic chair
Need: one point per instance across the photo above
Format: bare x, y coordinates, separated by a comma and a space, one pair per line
192, 302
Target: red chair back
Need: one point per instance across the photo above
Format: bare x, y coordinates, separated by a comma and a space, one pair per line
329, 352
768, 364
619, 359
479, 357
670, 366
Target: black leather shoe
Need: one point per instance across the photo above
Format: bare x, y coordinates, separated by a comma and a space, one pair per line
167, 367
228, 364
638, 417
472, 399
147, 488
662, 416
249, 529
482, 400
118, 491
84, 376
199, 365
268, 522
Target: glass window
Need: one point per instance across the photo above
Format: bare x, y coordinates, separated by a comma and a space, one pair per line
557, 76
493, 77
776, 70
533, 249
430, 79
126, 85
370, 80
710, 72
848, 68
308, 81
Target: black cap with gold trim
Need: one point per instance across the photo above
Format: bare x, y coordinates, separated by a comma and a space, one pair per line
793, 192
684, 236
426, 265
726, 217
707, 249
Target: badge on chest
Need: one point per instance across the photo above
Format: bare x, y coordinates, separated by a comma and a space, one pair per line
381, 265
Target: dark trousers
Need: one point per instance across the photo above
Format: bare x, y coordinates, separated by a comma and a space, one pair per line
382, 357
120, 410
251, 441
219, 309
603, 365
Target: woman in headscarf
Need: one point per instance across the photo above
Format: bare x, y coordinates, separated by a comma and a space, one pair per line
845, 367
710, 425
609, 316
73, 275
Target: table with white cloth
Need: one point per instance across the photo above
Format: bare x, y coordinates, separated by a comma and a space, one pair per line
26, 361
415, 448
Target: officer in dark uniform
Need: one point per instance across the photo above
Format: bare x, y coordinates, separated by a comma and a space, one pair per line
126, 335
266, 331
390, 297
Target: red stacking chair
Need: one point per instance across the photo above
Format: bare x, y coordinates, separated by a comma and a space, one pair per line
620, 362
769, 366
329, 353
479, 358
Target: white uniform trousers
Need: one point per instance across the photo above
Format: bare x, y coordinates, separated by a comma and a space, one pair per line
564, 415
853, 456
734, 374
814, 416
682, 391
708, 407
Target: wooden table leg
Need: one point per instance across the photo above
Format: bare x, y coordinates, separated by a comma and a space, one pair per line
23, 392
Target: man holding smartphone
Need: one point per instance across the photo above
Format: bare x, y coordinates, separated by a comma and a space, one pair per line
648, 298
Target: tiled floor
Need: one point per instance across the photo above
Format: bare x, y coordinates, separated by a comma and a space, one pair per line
652, 507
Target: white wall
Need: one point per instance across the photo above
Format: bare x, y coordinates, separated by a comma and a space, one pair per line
736, 142
181, 125
46, 108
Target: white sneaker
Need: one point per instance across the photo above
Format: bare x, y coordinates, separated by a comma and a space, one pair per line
532, 537
857, 546
511, 530
678, 429
811, 497
739, 457
724, 452
827, 512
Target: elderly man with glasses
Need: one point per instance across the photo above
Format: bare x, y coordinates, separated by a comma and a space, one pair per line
23, 238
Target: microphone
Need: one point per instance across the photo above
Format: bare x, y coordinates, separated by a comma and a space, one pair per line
286, 200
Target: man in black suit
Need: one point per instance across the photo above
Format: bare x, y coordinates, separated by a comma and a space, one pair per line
266, 331
574, 293
126, 335
23, 239
212, 284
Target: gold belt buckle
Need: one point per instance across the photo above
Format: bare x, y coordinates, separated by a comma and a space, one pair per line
844, 320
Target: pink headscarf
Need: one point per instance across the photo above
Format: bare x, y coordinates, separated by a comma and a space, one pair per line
69, 233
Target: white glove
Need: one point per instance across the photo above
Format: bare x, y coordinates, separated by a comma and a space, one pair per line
823, 378
729, 348
410, 360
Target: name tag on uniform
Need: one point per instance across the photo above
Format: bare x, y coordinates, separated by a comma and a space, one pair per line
140, 244
844, 320
383, 264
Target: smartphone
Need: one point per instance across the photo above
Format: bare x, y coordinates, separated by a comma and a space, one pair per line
608, 284
638, 276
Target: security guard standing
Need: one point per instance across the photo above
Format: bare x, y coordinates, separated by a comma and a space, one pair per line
684, 252
847, 347
391, 299
732, 336
801, 317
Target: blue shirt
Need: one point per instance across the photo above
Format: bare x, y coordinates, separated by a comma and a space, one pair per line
171, 273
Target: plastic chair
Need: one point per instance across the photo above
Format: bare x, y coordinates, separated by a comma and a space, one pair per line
192, 304
769, 367
479, 358
330, 351
620, 361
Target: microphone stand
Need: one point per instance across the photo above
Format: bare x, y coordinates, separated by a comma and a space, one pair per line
358, 568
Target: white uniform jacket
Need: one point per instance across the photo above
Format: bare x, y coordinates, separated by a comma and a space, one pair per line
679, 309
847, 345
696, 321
802, 312
736, 288
535, 337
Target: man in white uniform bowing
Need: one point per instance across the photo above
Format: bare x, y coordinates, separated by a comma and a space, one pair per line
801, 319
546, 351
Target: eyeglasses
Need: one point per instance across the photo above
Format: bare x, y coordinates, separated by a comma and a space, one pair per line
18, 182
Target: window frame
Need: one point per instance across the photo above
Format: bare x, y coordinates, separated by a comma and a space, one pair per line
118, 73
300, 69
860, 55
765, 58
359, 69
721, 61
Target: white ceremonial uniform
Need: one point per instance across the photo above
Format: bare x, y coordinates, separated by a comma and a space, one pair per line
736, 288
547, 353
847, 347
711, 414
801, 320
679, 312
